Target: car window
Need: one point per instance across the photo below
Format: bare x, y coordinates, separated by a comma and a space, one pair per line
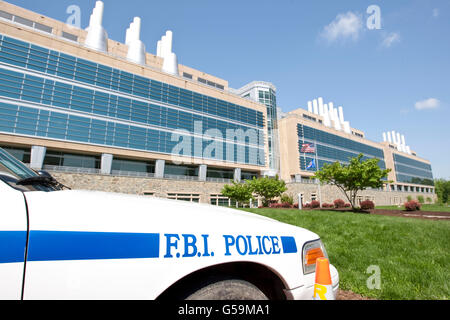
12, 171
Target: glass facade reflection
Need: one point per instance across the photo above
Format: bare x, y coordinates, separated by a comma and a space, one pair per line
332, 148
50, 94
412, 171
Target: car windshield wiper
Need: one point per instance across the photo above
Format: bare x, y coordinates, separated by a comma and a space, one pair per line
43, 179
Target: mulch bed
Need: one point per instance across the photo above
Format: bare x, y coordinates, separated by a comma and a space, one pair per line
428, 215
349, 295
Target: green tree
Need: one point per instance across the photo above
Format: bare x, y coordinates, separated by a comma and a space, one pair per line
421, 199
267, 188
354, 177
287, 198
239, 192
442, 190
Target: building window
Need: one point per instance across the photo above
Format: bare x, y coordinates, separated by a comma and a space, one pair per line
6, 15
121, 165
69, 36
25, 22
188, 197
357, 134
210, 83
220, 173
249, 175
309, 118
61, 159
187, 75
180, 170
149, 193
313, 197
43, 27
222, 201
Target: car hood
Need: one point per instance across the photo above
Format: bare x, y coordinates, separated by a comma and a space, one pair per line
76, 210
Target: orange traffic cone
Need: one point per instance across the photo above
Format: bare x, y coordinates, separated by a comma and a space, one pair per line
323, 289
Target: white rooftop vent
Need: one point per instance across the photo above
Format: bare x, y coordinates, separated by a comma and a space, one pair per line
398, 140
136, 48
164, 50
97, 38
332, 117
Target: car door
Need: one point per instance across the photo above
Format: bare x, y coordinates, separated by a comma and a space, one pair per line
13, 240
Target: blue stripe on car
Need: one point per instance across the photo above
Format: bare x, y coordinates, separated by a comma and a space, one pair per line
12, 246
68, 245
289, 245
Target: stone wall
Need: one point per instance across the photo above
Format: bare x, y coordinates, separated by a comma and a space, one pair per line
138, 185
330, 193
162, 187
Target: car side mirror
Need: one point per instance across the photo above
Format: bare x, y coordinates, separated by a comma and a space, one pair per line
43, 173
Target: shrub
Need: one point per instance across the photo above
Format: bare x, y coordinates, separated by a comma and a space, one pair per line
367, 205
274, 205
339, 203
280, 205
327, 205
286, 205
420, 199
295, 206
315, 204
286, 198
307, 205
412, 205
429, 200
408, 198
347, 205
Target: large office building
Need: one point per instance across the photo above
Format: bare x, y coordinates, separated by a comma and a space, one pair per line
104, 115
319, 135
265, 93
73, 100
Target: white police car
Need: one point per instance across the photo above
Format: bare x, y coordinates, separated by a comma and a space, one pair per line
64, 244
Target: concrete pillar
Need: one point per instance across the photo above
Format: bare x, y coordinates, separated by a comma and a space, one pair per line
237, 175
202, 171
37, 157
106, 164
159, 168
300, 201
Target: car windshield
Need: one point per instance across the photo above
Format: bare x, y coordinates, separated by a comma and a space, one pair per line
13, 172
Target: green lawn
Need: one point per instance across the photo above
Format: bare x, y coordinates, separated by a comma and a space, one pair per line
425, 207
413, 254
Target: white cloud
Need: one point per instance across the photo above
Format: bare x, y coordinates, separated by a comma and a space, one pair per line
435, 12
345, 26
390, 39
431, 103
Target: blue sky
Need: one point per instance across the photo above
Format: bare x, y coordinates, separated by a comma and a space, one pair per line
393, 78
